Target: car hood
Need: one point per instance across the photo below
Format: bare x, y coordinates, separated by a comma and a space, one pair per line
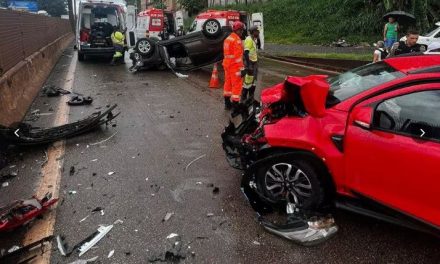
308, 94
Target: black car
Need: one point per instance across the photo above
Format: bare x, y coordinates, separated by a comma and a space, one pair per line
184, 53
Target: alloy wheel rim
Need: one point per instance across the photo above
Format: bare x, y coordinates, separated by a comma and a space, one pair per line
211, 27
144, 46
286, 182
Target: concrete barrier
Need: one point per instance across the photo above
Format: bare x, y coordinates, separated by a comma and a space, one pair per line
20, 85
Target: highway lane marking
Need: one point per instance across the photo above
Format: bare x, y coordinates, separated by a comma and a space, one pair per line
51, 171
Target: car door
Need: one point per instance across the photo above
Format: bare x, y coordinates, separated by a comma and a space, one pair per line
257, 20
392, 151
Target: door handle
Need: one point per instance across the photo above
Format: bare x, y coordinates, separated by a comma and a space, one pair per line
362, 124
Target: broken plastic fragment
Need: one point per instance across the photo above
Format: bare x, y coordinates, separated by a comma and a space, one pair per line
172, 235
209, 214
84, 219
256, 243
99, 234
72, 192
167, 216
5, 184
119, 221
110, 254
111, 173
62, 246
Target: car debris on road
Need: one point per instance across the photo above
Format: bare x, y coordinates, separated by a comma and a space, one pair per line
25, 135
21, 212
15, 256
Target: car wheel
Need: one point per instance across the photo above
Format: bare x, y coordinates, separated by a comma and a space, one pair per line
145, 46
289, 180
211, 28
81, 56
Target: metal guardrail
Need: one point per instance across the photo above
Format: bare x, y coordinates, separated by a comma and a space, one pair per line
22, 34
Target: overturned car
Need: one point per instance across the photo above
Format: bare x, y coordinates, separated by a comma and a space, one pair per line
349, 141
184, 53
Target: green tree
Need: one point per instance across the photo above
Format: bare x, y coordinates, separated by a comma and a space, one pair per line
193, 6
55, 8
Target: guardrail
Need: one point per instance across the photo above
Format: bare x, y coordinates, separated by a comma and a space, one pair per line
22, 34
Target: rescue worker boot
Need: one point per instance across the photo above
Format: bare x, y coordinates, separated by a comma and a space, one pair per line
228, 104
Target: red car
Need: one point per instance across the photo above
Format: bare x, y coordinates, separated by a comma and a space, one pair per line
367, 140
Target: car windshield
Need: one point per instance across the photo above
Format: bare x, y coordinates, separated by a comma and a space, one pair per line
432, 32
358, 80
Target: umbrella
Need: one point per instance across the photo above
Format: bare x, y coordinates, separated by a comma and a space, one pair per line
402, 17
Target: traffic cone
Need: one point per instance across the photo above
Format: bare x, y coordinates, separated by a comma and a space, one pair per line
214, 82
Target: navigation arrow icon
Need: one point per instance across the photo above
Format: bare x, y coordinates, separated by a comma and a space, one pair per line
423, 132
16, 131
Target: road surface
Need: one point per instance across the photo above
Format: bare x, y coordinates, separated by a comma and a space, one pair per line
163, 155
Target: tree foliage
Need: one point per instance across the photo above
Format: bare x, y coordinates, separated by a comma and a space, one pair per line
55, 8
193, 6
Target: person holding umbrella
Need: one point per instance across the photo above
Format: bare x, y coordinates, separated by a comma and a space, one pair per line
390, 32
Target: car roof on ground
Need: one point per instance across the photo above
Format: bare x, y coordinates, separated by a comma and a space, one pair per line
411, 63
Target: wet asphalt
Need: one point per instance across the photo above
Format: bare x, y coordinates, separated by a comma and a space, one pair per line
165, 156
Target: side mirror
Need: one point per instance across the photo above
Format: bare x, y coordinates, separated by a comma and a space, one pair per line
362, 117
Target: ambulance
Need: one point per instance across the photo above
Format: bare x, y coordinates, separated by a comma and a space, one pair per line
159, 23
212, 20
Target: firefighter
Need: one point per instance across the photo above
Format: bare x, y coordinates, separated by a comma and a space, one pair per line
251, 62
118, 39
233, 66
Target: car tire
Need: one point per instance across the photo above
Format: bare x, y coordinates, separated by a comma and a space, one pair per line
81, 56
211, 28
303, 186
145, 46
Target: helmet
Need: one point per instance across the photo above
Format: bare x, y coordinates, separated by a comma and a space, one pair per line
237, 25
119, 36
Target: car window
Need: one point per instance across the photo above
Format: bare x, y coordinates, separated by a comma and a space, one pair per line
431, 32
415, 114
358, 80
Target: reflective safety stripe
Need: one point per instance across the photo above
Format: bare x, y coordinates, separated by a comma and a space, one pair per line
118, 54
235, 97
225, 93
229, 56
238, 60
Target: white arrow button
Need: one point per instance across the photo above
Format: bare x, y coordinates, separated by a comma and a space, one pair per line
423, 132
16, 131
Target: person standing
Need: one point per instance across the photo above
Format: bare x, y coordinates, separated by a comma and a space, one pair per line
379, 53
233, 67
118, 43
390, 32
408, 46
251, 63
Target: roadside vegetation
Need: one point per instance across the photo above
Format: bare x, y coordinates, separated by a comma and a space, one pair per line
325, 21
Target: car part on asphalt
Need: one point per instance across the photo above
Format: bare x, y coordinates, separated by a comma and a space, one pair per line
21, 212
14, 256
26, 135
93, 239
80, 100
299, 229
53, 91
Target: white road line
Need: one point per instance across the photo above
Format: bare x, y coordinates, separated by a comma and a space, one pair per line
50, 182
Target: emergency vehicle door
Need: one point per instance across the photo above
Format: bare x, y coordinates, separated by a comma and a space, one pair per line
179, 20
130, 24
257, 20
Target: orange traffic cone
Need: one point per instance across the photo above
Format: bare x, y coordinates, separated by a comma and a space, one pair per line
214, 82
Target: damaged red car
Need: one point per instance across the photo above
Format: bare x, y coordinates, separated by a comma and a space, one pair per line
367, 140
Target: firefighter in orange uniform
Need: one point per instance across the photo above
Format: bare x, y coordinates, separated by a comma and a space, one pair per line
233, 67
